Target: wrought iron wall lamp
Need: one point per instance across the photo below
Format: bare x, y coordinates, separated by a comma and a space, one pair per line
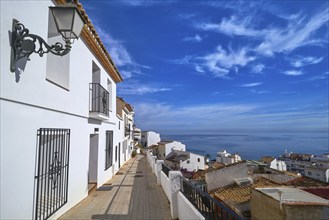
69, 24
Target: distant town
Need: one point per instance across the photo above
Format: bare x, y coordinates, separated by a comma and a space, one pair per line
293, 180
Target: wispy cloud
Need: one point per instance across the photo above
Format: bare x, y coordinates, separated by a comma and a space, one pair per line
196, 38
304, 61
199, 69
186, 16
185, 60
137, 88
258, 68
251, 84
297, 34
245, 116
122, 58
222, 61
143, 3
232, 26
255, 91
293, 72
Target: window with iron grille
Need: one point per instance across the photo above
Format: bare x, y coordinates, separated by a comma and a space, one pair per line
109, 149
52, 168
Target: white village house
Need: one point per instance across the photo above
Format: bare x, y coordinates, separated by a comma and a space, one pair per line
165, 147
177, 159
227, 158
149, 138
125, 113
59, 127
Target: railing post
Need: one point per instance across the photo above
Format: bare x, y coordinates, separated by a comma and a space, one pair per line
152, 160
158, 171
175, 186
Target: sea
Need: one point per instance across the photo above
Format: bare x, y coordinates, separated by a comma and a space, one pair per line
252, 146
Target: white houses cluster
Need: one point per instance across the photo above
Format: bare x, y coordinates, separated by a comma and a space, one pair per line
172, 152
62, 126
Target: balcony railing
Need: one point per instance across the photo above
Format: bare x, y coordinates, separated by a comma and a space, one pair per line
209, 207
99, 99
165, 169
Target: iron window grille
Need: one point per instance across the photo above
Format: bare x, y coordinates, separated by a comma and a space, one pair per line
108, 149
52, 171
99, 99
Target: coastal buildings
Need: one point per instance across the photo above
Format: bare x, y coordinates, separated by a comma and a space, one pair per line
274, 163
316, 167
150, 138
185, 160
165, 147
227, 158
60, 132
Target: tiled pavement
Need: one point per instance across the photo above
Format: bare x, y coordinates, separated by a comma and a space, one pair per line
131, 194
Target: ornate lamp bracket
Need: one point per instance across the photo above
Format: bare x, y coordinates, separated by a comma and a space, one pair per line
23, 44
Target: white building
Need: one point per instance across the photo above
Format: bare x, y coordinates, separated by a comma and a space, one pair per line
125, 114
318, 173
194, 163
59, 130
177, 159
227, 158
274, 163
137, 135
150, 138
319, 168
165, 147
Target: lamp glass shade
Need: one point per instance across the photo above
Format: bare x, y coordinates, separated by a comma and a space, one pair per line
68, 20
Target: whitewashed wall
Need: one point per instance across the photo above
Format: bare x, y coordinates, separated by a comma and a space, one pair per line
186, 211
195, 162
29, 102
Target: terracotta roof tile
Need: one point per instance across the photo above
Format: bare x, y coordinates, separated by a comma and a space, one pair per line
235, 194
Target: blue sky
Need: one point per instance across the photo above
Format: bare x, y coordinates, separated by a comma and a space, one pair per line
220, 65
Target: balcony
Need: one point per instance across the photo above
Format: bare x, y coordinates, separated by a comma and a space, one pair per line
98, 102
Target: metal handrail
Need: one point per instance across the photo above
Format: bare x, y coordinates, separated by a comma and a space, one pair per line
165, 169
209, 207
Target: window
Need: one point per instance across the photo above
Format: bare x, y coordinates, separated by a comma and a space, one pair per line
58, 67
52, 166
116, 153
198, 159
109, 149
309, 173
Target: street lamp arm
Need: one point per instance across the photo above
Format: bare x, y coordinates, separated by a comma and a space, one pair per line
24, 44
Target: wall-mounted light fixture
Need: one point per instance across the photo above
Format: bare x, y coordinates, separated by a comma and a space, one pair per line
69, 24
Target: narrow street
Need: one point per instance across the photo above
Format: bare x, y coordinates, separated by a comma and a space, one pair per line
131, 194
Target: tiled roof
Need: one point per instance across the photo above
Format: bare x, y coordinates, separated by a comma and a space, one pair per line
201, 174
267, 159
321, 192
234, 194
95, 43
305, 181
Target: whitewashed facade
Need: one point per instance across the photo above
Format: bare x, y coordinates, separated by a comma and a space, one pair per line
150, 138
54, 93
227, 158
278, 165
165, 147
125, 114
194, 163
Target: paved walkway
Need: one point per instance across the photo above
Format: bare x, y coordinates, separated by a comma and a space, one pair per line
131, 194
